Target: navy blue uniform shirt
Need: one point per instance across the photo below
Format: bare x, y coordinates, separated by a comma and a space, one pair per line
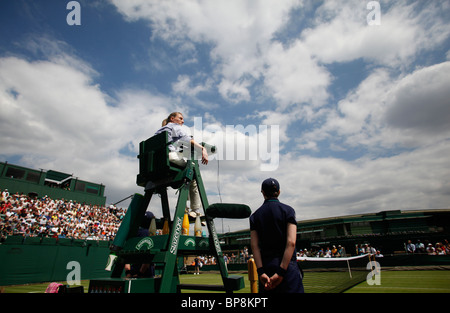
270, 222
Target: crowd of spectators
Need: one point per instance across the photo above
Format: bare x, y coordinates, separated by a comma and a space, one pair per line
440, 248
319, 252
338, 251
45, 217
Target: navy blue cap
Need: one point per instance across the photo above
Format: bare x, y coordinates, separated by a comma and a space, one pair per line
145, 223
270, 185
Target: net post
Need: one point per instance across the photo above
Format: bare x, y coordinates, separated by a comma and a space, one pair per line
349, 270
252, 275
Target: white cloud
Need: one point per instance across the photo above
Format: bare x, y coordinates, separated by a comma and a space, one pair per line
320, 187
341, 33
184, 86
243, 49
242, 147
388, 112
234, 92
294, 77
55, 117
324, 187
354, 117
239, 33
32, 105
420, 101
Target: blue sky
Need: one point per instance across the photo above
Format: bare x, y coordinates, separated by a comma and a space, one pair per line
362, 111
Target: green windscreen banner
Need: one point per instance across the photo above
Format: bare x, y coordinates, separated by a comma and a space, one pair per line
33, 260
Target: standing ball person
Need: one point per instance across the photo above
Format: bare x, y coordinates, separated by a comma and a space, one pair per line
273, 230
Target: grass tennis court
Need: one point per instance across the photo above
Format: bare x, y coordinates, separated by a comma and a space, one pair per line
422, 281
437, 281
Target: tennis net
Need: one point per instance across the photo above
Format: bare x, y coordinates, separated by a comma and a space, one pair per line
333, 275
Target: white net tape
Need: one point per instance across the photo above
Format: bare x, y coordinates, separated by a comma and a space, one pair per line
315, 259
